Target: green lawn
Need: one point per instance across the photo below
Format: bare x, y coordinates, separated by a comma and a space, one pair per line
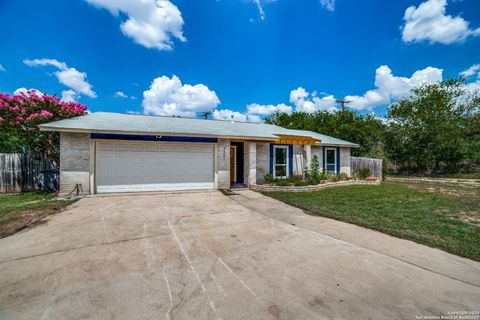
22, 210
444, 216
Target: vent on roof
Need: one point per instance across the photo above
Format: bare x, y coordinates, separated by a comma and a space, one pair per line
231, 121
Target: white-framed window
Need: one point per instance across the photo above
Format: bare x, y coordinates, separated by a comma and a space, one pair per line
331, 160
280, 161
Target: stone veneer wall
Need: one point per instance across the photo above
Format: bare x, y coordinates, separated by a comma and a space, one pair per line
74, 162
272, 188
222, 164
263, 161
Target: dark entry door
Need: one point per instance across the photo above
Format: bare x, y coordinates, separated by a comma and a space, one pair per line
233, 164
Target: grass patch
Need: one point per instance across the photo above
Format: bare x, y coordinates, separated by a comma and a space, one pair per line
417, 212
22, 210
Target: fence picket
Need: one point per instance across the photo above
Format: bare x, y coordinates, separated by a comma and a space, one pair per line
22, 172
375, 165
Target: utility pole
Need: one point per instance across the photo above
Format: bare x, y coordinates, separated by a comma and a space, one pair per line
343, 102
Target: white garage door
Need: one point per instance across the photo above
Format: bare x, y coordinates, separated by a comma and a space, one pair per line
153, 166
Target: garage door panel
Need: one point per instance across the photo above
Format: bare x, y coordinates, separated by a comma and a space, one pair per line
153, 166
120, 146
137, 147
104, 146
151, 147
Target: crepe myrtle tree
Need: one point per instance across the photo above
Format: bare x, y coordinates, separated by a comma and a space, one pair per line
20, 116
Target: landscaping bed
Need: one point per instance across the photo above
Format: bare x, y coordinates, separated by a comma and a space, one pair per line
315, 187
433, 214
20, 211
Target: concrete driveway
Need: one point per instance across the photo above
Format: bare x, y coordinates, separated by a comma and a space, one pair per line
207, 256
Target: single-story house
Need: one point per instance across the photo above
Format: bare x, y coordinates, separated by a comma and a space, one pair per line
111, 152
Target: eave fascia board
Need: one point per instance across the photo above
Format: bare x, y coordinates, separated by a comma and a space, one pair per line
248, 138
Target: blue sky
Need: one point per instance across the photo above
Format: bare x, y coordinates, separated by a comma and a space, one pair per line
244, 58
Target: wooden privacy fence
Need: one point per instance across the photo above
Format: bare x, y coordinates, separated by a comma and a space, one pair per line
26, 172
375, 165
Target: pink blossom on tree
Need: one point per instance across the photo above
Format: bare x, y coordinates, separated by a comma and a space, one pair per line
20, 115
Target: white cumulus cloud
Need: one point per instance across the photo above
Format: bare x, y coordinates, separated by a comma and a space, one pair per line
310, 102
168, 96
67, 76
25, 91
45, 62
226, 114
470, 71
255, 112
328, 4
70, 95
389, 86
150, 23
429, 22
259, 109
120, 94
67, 95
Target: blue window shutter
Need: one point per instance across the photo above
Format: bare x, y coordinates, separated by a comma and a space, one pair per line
290, 160
271, 158
338, 160
323, 158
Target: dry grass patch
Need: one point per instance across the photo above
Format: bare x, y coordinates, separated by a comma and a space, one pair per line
20, 211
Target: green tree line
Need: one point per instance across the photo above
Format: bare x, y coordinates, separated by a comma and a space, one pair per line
434, 130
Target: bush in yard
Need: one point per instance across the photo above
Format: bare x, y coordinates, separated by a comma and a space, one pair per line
343, 177
282, 182
301, 183
323, 175
269, 178
333, 178
363, 173
19, 116
294, 179
297, 181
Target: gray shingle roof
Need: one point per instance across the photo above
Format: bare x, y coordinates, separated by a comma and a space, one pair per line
104, 122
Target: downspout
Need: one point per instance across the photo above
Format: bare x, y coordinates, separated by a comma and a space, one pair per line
271, 159
323, 158
338, 161
290, 160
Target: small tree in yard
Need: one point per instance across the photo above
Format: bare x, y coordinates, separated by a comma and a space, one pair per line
312, 174
22, 113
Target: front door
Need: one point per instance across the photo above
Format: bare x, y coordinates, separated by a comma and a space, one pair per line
233, 164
